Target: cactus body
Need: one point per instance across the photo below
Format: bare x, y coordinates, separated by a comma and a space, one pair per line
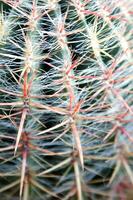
66, 99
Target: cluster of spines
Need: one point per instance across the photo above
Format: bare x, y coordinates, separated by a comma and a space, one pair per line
66, 73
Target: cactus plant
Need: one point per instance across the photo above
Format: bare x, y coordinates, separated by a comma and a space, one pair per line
66, 106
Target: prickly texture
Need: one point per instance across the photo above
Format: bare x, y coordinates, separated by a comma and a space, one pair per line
66, 99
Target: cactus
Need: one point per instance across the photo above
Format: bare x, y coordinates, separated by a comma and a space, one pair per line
66, 106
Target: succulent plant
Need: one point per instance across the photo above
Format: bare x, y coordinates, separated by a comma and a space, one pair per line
66, 99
